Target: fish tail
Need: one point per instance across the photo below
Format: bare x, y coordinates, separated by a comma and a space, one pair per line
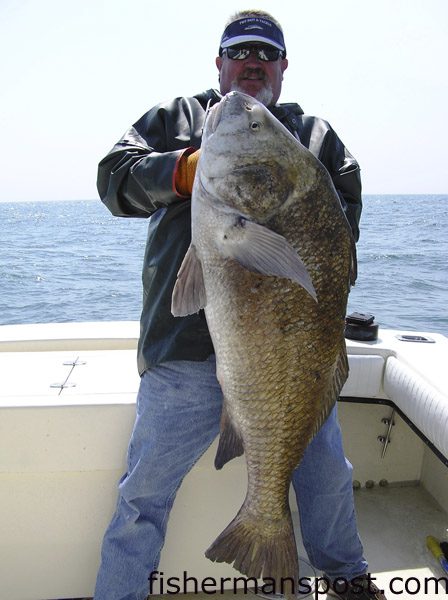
258, 551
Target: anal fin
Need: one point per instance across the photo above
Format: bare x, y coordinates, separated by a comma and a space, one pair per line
230, 442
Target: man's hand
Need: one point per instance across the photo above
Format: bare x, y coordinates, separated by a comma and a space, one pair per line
185, 172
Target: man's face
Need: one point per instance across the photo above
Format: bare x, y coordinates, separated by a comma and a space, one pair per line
257, 78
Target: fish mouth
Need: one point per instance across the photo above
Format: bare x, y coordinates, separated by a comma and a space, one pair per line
214, 114
235, 100
213, 117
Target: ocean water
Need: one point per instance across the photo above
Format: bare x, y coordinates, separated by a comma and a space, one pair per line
74, 261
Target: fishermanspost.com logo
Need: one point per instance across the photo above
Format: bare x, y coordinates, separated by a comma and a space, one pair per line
316, 587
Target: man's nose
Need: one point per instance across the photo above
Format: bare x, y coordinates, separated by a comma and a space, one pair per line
253, 56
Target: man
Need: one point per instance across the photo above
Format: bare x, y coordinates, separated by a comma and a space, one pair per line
150, 172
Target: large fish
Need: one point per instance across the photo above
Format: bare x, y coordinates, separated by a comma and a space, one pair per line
271, 260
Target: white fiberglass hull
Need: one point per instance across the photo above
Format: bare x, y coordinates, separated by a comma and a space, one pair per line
67, 405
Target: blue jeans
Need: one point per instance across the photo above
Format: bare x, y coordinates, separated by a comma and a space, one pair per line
178, 417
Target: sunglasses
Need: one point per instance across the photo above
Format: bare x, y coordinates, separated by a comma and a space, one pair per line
264, 53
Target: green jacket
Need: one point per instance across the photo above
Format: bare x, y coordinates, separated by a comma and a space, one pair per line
135, 179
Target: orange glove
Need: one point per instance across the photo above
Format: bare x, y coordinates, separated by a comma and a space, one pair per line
185, 172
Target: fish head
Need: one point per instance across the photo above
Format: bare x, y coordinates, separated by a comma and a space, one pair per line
249, 160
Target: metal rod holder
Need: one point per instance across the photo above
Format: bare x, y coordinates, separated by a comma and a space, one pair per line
65, 384
385, 439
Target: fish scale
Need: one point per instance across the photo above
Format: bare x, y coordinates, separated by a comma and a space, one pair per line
271, 262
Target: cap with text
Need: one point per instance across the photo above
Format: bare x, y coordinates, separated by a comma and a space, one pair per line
253, 29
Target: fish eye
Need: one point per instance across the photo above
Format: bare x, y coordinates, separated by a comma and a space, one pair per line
254, 125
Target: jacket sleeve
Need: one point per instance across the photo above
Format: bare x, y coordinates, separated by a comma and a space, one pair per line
136, 176
345, 172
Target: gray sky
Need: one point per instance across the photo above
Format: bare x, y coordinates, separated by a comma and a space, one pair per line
76, 73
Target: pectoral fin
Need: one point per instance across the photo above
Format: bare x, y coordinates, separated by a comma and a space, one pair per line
189, 291
261, 250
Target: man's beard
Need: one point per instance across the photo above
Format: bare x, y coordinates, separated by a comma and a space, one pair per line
264, 96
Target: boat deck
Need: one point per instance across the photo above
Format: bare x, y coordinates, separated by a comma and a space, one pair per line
393, 522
